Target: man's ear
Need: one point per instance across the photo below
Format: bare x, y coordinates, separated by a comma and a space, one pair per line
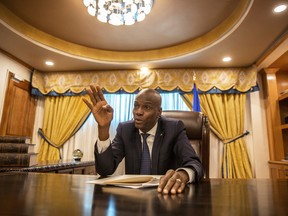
160, 112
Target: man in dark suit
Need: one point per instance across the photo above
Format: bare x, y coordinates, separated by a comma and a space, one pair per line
169, 152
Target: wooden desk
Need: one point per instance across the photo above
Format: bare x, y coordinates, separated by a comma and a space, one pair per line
54, 194
63, 167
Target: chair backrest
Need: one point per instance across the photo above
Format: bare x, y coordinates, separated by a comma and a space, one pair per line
197, 129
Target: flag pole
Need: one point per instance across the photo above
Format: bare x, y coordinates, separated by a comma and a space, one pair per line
196, 101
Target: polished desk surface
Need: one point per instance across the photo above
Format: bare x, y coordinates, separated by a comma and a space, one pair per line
64, 194
48, 166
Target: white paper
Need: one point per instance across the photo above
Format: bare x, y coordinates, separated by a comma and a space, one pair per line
129, 181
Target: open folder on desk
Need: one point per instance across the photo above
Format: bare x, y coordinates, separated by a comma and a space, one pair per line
130, 181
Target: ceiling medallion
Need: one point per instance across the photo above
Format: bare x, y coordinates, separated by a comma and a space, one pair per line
119, 12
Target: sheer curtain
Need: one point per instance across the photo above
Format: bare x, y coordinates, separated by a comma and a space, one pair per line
85, 138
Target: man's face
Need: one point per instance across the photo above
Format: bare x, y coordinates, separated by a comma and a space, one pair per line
146, 111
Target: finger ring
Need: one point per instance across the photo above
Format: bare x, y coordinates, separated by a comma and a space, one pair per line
178, 180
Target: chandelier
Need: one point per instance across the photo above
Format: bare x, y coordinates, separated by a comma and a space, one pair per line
119, 12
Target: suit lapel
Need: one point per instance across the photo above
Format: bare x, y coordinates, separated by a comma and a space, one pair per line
156, 146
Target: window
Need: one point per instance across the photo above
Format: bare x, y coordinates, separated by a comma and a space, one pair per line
122, 104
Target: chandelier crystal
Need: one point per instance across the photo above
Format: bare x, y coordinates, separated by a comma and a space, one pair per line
119, 12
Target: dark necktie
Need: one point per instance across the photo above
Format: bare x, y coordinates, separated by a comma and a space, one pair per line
146, 161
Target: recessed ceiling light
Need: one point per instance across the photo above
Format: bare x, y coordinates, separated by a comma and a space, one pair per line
280, 8
49, 63
270, 77
144, 69
226, 59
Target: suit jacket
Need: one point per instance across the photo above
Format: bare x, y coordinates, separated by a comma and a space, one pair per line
171, 150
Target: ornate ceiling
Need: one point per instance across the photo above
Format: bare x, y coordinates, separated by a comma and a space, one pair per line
176, 34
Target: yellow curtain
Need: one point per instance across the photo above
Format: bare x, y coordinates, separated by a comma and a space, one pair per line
240, 79
226, 117
63, 116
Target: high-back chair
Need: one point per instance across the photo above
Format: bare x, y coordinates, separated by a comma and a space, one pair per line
198, 132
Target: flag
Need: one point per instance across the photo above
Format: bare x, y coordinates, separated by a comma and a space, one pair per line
196, 102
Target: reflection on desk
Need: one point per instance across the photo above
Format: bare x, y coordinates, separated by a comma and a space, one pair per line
52, 194
68, 167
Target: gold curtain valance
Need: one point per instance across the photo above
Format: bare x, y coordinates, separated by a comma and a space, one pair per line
240, 79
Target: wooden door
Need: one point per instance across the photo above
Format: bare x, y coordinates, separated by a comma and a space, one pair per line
19, 109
